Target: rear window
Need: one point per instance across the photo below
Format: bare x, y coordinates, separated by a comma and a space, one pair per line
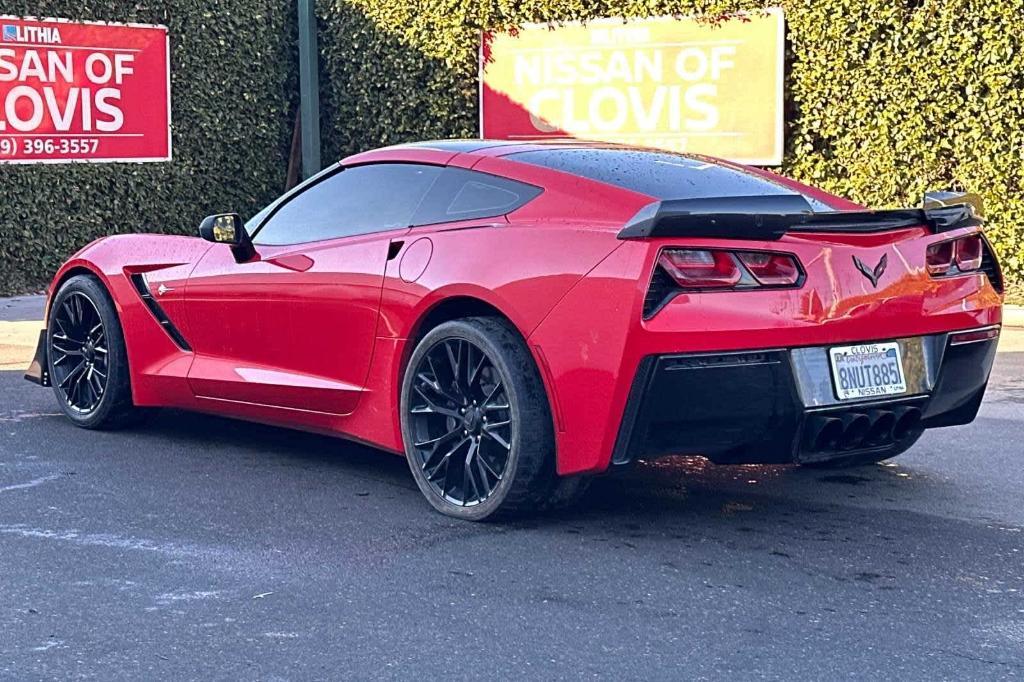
462, 194
659, 174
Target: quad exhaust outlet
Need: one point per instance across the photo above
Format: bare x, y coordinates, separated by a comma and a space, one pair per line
858, 430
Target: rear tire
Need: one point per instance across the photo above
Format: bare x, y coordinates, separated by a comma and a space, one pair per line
471, 389
87, 358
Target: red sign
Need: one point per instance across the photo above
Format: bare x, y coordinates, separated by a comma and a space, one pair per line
74, 92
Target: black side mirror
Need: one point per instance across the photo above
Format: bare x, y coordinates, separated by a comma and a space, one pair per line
227, 228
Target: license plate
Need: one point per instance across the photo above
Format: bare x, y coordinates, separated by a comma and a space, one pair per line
867, 371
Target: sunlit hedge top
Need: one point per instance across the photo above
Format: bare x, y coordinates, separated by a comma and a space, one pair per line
885, 99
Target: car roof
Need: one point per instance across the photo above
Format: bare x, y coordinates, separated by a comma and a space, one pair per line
490, 147
618, 165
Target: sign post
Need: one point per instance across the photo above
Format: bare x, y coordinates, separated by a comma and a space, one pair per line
309, 88
687, 85
83, 92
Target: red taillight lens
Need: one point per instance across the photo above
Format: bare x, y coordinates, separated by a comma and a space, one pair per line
771, 269
956, 256
968, 253
693, 268
939, 258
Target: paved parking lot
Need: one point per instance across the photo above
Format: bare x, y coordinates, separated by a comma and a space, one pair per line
202, 548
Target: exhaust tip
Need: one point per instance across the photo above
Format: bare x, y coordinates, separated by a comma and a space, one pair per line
855, 427
908, 421
824, 434
882, 423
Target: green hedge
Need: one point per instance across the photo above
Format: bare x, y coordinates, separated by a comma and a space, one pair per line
233, 98
885, 99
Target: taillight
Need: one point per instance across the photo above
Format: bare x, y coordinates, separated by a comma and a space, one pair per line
771, 269
939, 258
956, 256
968, 253
718, 269
698, 269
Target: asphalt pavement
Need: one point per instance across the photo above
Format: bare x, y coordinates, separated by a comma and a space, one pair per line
203, 548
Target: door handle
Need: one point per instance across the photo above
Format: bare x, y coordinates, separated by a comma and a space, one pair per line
295, 262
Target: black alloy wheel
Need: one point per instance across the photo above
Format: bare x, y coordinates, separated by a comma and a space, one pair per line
88, 361
80, 356
461, 421
475, 421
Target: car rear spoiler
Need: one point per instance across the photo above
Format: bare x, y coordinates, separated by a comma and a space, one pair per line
771, 216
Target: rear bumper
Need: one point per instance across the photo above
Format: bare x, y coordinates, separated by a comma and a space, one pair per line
778, 405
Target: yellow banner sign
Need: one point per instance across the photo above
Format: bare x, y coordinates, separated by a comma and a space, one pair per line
689, 85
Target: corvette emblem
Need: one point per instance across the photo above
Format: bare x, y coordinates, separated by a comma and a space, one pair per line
163, 289
875, 274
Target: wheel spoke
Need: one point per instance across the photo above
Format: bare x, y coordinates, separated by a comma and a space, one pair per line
490, 395
475, 375
96, 385
436, 441
480, 467
81, 311
60, 326
68, 351
76, 390
453, 360
470, 369
444, 460
435, 386
76, 303
497, 439
487, 465
71, 375
467, 475
432, 407
64, 338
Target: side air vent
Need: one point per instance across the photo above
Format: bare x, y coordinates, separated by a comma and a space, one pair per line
990, 266
660, 291
142, 286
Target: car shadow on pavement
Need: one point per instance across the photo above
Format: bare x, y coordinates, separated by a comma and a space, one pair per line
671, 487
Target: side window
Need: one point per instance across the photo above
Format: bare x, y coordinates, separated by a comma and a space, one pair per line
462, 194
357, 200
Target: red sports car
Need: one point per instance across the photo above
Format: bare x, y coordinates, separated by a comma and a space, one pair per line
516, 317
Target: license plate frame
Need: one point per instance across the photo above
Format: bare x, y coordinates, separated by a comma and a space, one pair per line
867, 370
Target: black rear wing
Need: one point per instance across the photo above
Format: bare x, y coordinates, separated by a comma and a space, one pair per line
771, 216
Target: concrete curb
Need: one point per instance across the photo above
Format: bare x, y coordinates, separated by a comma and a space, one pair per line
1013, 315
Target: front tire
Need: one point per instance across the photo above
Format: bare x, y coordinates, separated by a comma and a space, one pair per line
87, 359
475, 421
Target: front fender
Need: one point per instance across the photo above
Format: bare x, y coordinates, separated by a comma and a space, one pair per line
157, 367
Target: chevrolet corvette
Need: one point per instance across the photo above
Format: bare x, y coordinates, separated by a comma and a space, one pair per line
514, 318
